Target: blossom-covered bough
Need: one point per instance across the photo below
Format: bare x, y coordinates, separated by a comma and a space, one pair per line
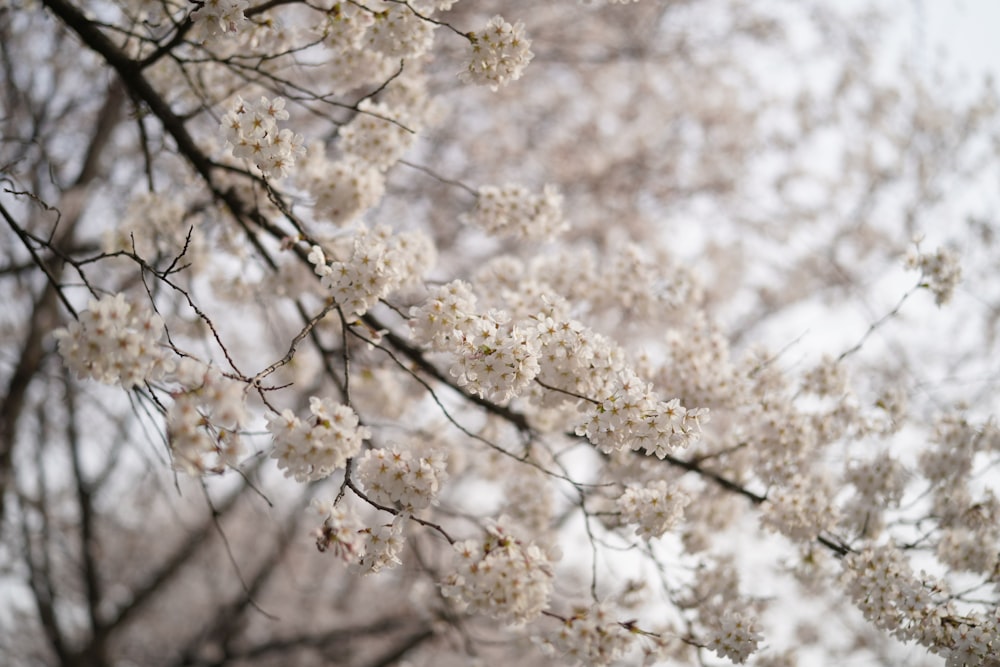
541, 322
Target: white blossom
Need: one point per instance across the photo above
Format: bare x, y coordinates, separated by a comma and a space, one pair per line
500, 52
500, 576
220, 16
318, 446
377, 135
514, 211
654, 508
398, 475
204, 421
941, 271
591, 637
115, 342
734, 635
251, 130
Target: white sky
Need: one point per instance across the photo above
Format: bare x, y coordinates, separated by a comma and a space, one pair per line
965, 33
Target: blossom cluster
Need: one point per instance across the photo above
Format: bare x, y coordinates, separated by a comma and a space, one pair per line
515, 211
576, 359
204, 420
219, 16
591, 637
801, 509
155, 225
881, 583
343, 190
314, 448
378, 134
369, 549
630, 416
374, 263
498, 358
251, 129
500, 576
495, 357
734, 635
500, 52
698, 366
398, 33
444, 314
114, 342
396, 475
941, 271
654, 508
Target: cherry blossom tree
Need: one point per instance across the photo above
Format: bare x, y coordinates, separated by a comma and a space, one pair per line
427, 332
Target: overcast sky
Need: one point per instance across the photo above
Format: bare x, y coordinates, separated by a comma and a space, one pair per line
966, 31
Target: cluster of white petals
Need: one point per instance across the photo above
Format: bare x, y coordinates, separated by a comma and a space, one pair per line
367, 40
513, 210
377, 134
882, 584
576, 359
975, 644
398, 33
314, 448
496, 359
371, 265
448, 311
344, 189
397, 475
251, 129
500, 576
342, 532
630, 416
368, 549
591, 637
345, 25
734, 635
500, 52
941, 271
801, 509
219, 16
114, 342
204, 420
156, 225
654, 508
382, 545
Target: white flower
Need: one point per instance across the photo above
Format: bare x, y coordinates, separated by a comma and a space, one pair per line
251, 129
204, 420
500, 576
114, 342
592, 636
500, 52
315, 448
630, 417
400, 33
941, 271
382, 545
513, 210
734, 635
495, 360
341, 532
378, 263
395, 475
345, 189
219, 16
377, 135
450, 310
654, 508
